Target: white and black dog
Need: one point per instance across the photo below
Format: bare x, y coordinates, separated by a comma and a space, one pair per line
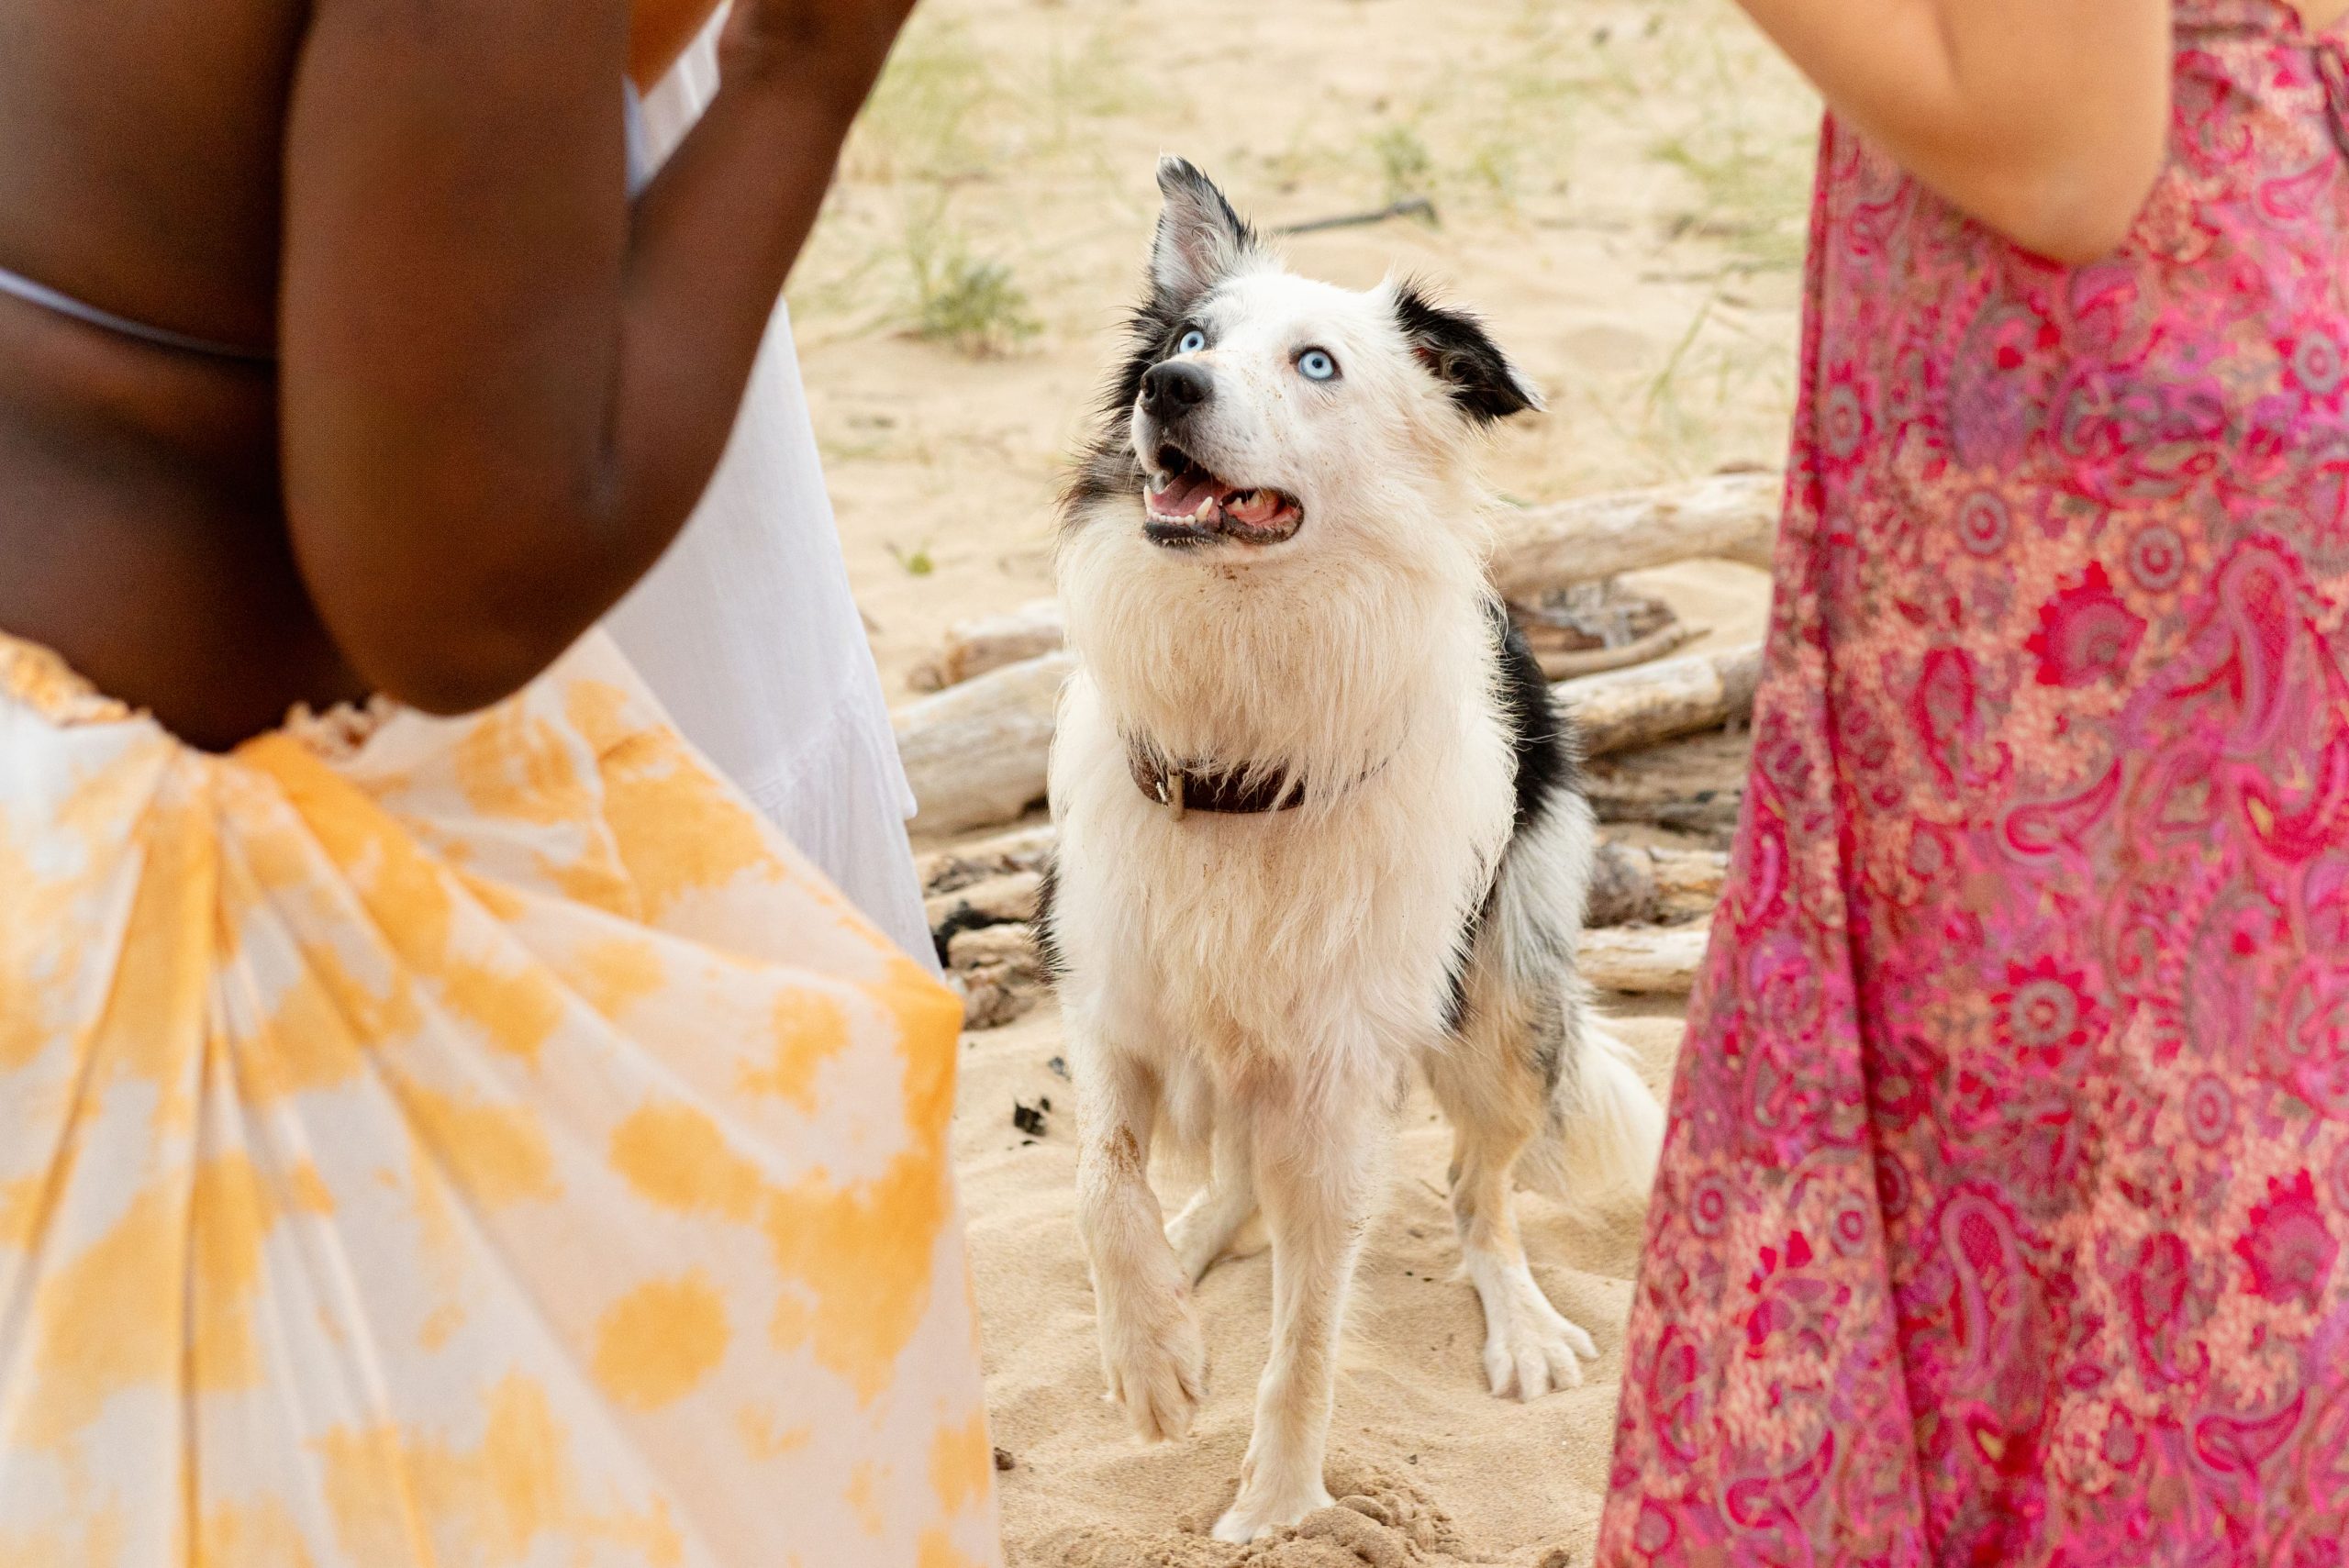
1317, 822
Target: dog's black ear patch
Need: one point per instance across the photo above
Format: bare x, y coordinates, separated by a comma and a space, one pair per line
1200, 237
1459, 352
1201, 243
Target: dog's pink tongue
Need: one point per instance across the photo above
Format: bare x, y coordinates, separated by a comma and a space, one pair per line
1182, 498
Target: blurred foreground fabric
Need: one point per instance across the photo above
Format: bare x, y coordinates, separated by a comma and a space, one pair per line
476, 1143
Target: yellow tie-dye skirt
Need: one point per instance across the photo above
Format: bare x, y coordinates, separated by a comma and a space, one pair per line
470, 1143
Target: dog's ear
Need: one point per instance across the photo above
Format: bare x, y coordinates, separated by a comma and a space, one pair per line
1459, 352
1200, 239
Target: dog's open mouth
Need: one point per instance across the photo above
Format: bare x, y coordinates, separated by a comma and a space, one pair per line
1189, 505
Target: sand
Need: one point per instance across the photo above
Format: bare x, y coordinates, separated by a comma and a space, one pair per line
1621, 186
1496, 1481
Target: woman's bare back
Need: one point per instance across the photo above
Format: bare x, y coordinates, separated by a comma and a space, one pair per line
479, 393
140, 525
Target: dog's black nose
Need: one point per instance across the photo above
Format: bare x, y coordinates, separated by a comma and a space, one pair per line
1174, 388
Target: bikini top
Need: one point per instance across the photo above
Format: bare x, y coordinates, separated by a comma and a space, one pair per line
40, 293
21, 287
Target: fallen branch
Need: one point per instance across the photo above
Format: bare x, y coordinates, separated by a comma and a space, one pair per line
1732, 518
1631, 708
1013, 946
1688, 883
993, 996
1644, 960
975, 647
975, 753
981, 860
1409, 206
1001, 978
1573, 665
1631, 885
999, 972
1707, 813
1541, 550
980, 647
1000, 901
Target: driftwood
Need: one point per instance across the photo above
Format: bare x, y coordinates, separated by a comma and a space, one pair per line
1688, 883
1630, 884
1634, 886
982, 905
999, 901
1013, 946
1694, 785
978, 647
1643, 960
1731, 517
974, 647
1541, 550
982, 859
975, 753
1631, 708
992, 996
999, 974
1707, 813
1573, 665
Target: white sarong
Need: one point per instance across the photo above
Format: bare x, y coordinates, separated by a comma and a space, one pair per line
747, 631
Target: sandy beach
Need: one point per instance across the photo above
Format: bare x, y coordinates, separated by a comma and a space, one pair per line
1619, 186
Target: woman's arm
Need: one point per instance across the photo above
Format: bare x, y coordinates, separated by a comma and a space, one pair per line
501, 390
2046, 119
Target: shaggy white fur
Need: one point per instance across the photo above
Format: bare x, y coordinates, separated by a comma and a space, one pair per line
1256, 987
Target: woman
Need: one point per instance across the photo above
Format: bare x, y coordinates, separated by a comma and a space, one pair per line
462, 1140
2000, 1220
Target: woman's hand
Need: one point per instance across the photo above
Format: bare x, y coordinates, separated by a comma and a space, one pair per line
2046, 119
842, 43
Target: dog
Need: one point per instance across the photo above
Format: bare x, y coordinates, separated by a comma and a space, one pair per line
1318, 822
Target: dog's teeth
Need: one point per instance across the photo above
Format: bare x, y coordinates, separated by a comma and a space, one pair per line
1206, 509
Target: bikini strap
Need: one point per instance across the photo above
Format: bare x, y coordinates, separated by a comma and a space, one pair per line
48, 298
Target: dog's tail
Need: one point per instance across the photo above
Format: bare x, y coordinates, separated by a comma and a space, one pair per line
1606, 1127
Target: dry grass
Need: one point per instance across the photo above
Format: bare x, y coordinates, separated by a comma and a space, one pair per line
1620, 185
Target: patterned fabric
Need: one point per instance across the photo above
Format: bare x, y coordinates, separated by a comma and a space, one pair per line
2002, 1212
478, 1143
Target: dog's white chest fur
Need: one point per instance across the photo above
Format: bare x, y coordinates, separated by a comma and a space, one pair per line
1244, 942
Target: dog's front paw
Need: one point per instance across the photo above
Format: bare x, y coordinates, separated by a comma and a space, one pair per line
1253, 1518
1156, 1363
1531, 1348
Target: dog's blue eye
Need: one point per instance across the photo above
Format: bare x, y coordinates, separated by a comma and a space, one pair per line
1316, 364
1193, 341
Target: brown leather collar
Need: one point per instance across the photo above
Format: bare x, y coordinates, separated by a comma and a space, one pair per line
1185, 787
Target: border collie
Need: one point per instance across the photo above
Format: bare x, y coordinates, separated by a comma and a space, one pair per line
1318, 822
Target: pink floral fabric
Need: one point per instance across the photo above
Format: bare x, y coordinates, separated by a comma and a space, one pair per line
2001, 1216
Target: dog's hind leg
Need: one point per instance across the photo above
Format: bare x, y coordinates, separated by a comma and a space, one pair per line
1208, 1224
1492, 1084
1150, 1348
1316, 1176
